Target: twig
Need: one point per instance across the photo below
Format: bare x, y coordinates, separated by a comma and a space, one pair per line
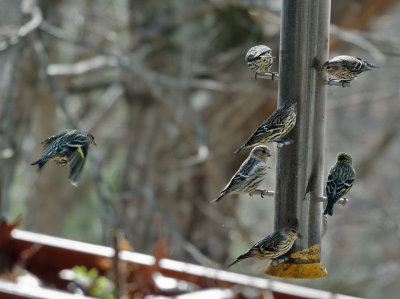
81, 67
105, 212
43, 61
364, 98
110, 97
28, 7
355, 38
176, 235
377, 151
149, 77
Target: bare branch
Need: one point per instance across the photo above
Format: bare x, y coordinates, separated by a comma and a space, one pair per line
81, 67
176, 235
43, 62
31, 8
14, 36
110, 97
357, 39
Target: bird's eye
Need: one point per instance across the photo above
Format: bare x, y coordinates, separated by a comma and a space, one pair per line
293, 231
328, 67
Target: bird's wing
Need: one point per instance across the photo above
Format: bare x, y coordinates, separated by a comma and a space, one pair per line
76, 160
270, 243
343, 187
355, 64
267, 129
340, 181
76, 139
256, 52
75, 143
236, 182
49, 141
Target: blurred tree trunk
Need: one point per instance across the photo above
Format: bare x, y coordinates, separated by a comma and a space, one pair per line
52, 194
10, 21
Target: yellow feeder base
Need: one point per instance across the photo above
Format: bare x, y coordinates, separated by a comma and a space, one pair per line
307, 265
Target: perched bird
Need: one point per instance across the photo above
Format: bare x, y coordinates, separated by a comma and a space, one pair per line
346, 68
340, 180
68, 147
272, 246
259, 59
275, 127
250, 174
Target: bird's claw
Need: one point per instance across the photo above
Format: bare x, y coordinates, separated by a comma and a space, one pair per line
62, 162
279, 260
261, 192
274, 75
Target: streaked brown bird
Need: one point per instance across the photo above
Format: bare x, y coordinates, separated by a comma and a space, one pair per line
275, 127
68, 147
259, 59
340, 180
346, 68
250, 174
272, 246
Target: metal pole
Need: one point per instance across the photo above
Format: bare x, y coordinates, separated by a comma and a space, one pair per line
299, 185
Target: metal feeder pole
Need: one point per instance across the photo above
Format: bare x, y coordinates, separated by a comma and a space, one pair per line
299, 186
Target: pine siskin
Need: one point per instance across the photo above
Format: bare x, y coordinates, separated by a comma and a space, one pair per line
346, 68
68, 147
340, 180
259, 59
250, 174
272, 246
275, 127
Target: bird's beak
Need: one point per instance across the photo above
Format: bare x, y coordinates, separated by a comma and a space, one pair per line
299, 235
269, 155
94, 143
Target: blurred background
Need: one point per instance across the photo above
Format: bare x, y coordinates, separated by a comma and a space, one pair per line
164, 88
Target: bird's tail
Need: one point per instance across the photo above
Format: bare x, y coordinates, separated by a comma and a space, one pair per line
329, 209
239, 150
231, 264
368, 66
239, 258
219, 198
40, 163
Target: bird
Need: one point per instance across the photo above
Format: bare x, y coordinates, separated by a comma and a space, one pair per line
250, 174
272, 246
68, 147
346, 68
275, 127
340, 180
259, 59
